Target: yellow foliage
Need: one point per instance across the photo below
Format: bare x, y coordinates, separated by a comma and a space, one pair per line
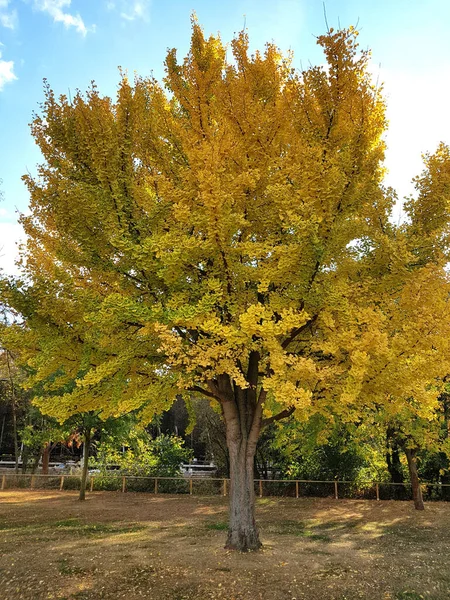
231, 236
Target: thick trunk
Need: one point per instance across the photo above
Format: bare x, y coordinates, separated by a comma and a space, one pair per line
45, 458
242, 412
411, 456
243, 532
87, 443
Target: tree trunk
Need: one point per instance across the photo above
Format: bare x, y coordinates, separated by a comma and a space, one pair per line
411, 456
243, 532
25, 458
242, 413
14, 414
45, 458
394, 465
3, 429
36, 461
87, 443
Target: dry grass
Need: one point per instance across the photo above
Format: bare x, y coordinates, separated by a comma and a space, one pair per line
171, 548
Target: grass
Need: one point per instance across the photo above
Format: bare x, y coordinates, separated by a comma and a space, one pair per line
65, 568
300, 529
134, 546
74, 527
77, 528
283, 528
219, 526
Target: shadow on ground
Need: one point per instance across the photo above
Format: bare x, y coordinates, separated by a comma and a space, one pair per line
171, 548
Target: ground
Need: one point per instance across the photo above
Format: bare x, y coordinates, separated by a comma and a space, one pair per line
138, 546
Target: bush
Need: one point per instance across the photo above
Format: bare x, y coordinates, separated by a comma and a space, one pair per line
144, 457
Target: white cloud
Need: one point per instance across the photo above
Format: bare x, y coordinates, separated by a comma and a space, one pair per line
130, 10
6, 72
416, 109
56, 9
8, 18
11, 234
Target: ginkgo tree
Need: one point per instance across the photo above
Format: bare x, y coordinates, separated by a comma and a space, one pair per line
226, 235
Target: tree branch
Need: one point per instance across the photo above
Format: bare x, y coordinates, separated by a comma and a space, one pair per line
287, 412
297, 331
197, 388
252, 371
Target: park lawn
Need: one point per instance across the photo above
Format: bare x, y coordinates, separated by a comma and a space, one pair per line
138, 546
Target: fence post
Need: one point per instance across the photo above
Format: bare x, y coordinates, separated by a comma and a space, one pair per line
156, 485
3, 482
260, 488
296, 489
32, 482
92, 484
124, 484
336, 490
190, 486
61, 485
224, 487
377, 487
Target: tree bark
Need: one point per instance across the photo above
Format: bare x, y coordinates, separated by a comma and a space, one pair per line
242, 414
45, 458
87, 443
411, 456
242, 533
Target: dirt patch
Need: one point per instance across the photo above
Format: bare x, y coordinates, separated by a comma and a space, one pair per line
171, 548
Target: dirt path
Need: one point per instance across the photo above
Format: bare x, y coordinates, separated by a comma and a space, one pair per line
171, 548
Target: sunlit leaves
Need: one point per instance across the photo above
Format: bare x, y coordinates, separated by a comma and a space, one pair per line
175, 232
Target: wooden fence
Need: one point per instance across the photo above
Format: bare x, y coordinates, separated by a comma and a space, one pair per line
208, 486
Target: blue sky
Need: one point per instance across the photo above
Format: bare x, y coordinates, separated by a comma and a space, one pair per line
71, 42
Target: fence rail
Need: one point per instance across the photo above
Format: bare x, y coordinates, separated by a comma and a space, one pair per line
214, 486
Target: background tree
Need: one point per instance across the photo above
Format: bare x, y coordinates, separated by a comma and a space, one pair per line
415, 435
9, 382
394, 464
141, 455
323, 451
229, 237
82, 427
40, 436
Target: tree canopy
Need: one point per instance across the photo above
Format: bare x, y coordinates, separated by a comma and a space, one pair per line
228, 234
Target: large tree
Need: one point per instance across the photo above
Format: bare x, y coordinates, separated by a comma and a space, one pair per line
226, 236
